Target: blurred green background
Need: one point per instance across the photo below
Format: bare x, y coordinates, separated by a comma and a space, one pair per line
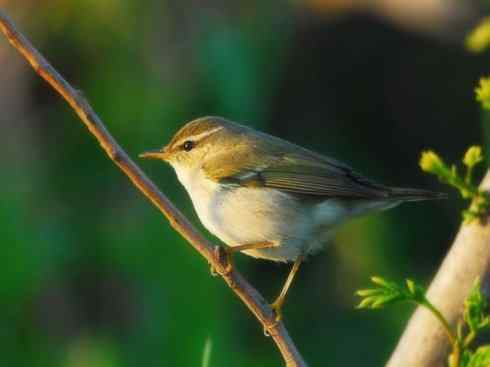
92, 275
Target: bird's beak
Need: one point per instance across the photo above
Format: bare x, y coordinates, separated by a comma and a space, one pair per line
155, 154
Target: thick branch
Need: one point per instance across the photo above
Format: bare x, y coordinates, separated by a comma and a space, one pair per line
424, 342
248, 294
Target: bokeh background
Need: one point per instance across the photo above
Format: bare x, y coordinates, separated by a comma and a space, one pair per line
92, 275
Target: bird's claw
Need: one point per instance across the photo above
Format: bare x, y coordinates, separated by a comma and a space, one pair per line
213, 271
219, 253
277, 308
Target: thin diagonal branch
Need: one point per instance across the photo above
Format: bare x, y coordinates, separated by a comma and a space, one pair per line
242, 288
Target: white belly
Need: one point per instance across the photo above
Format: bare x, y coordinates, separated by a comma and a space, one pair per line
239, 215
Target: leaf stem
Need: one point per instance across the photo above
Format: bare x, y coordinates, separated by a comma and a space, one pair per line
469, 175
455, 355
469, 338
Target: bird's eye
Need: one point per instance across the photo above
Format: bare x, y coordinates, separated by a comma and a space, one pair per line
188, 145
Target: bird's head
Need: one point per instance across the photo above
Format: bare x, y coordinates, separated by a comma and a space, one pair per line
199, 141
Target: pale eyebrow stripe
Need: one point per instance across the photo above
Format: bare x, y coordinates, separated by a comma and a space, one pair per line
200, 136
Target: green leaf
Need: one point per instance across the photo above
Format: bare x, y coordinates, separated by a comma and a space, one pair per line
483, 93
383, 283
481, 358
479, 39
475, 307
388, 292
432, 163
417, 291
466, 356
411, 286
368, 292
473, 156
480, 202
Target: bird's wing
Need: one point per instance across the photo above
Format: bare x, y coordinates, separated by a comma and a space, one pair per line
307, 173
261, 160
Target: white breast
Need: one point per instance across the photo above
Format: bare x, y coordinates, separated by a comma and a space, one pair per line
240, 215
203, 193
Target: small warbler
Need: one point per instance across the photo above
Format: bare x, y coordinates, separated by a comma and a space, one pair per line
267, 197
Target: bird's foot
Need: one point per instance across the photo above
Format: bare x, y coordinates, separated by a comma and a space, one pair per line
277, 308
220, 253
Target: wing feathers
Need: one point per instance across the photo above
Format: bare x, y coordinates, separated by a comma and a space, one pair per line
317, 182
275, 163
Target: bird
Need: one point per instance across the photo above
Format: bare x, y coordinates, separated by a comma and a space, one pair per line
269, 198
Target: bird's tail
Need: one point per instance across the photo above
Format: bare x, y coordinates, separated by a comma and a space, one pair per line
403, 194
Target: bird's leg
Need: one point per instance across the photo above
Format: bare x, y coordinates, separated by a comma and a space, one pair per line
230, 250
279, 302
